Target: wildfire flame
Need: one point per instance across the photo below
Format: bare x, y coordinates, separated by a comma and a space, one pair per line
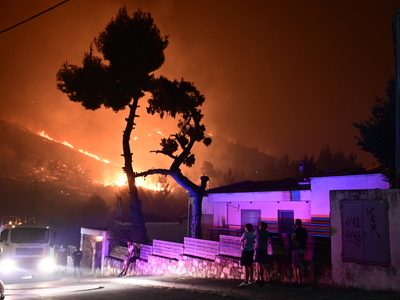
117, 179
45, 135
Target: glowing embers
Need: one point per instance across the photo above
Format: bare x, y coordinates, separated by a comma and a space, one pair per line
122, 180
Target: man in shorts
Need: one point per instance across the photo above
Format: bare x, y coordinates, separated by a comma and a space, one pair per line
133, 255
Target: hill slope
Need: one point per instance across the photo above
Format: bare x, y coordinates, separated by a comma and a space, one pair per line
56, 184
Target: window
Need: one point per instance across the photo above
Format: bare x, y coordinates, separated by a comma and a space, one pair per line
29, 235
4, 235
252, 216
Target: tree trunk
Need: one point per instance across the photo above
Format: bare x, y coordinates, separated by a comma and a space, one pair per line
139, 233
195, 224
138, 224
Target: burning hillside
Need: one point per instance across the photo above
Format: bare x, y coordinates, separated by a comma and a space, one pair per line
24, 155
109, 178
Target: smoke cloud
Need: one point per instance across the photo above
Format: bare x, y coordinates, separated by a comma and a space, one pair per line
286, 79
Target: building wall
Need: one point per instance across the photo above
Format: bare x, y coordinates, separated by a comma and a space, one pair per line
226, 208
167, 231
320, 187
89, 238
362, 275
260, 196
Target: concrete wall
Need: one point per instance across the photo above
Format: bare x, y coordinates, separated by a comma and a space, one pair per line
222, 267
366, 276
320, 187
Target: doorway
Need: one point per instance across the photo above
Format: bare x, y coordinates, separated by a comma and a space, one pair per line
285, 221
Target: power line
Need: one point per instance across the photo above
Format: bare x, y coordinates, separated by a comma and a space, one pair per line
33, 16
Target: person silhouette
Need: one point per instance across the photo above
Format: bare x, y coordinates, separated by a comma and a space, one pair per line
133, 255
77, 258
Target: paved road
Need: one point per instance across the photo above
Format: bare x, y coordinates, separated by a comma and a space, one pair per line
111, 291
166, 287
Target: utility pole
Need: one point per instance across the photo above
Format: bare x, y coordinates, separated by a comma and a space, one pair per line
397, 65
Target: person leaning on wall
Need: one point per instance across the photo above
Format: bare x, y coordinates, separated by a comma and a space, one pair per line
130, 259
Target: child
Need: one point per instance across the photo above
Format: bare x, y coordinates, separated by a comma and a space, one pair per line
246, 259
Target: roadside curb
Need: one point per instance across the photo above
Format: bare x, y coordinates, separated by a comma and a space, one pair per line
229, 287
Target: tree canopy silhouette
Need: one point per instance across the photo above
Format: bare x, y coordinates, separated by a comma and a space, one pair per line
132, 48
378, 132
181, 99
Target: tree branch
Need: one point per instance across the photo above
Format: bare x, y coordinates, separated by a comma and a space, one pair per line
163, 152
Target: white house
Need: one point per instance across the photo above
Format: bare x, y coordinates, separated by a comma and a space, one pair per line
278, 202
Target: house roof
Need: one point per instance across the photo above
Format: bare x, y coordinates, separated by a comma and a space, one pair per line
148, 218
96, 228
287, 184
376, 169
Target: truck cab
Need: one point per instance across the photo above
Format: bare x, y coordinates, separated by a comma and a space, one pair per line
25, 250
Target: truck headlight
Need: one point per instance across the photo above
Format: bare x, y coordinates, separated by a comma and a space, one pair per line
7, 264
47, 265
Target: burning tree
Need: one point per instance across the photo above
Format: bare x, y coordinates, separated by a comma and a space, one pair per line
132, 48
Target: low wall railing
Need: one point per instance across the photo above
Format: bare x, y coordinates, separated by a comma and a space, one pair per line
201, 248
167, 249
145, 251
194, 247
230, 245
318, 248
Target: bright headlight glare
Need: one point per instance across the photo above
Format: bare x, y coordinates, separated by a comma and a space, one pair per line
47, 264
7, 264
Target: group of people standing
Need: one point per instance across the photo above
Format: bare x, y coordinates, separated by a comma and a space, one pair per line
255, 249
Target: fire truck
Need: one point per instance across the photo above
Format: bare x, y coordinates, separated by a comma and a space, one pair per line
25, 250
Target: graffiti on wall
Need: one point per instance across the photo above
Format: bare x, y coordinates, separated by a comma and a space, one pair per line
365, 225
354, 230
372, 221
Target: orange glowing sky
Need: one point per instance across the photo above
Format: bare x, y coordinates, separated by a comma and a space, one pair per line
288, 77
